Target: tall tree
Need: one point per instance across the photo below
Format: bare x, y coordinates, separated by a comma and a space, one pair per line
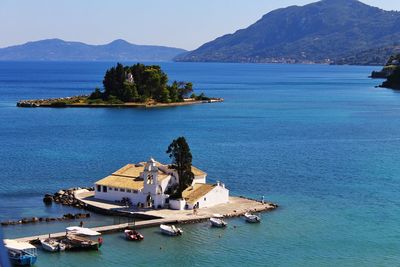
181, 156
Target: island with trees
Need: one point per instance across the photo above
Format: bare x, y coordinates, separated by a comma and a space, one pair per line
131, 86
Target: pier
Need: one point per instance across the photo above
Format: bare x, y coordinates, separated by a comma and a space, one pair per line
237, 206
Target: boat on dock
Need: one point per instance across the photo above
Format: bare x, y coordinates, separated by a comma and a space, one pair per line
218, 222
133, 235
79, 238
170, 230
52, 245
21, 253
251, 218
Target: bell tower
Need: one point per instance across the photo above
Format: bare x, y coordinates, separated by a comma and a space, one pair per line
149, 176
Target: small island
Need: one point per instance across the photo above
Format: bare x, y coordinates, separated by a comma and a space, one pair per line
130, 86
390, 72
391, 65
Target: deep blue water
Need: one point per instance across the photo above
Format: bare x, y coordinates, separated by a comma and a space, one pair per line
320, 141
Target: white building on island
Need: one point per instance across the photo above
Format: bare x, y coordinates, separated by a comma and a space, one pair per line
145, 185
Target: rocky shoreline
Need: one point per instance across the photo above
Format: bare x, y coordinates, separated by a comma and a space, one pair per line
66, 197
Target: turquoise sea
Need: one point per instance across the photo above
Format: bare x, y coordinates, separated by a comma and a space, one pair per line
321, 141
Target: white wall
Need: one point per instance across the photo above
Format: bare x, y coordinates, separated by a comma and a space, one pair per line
218, 195
200, 179
177, 204
112, 195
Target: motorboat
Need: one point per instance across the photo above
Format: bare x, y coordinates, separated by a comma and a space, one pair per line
21, 253
251, 218
52, 245
133, 235
74, 242
217, 222
171, 230
80, 238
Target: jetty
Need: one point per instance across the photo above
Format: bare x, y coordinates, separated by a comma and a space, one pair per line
236, 207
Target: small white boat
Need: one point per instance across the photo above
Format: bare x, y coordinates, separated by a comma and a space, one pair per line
216, 222
52, 245
251, 218
170, 230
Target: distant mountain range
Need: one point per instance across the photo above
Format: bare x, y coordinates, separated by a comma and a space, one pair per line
328, 31
59, 50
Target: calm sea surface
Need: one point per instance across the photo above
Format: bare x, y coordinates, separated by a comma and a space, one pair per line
320, 141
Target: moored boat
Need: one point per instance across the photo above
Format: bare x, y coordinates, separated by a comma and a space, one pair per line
80, 238
52, 245
251, 218
21, 253
133, 235
217, 222
171, 230
74, 242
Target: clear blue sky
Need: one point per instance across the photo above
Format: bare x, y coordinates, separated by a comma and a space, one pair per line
180, 23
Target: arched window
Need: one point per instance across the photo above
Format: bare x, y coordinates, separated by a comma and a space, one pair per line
149, 179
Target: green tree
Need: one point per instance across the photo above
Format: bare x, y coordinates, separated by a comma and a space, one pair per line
97, 94
165, 98
181, 156
173, 92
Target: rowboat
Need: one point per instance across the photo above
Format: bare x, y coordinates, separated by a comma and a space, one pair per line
216, 222
133, 235
170, 230
251, 218
21, 253
52, 245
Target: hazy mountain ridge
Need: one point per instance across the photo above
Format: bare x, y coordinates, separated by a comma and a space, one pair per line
60, 50
323, 32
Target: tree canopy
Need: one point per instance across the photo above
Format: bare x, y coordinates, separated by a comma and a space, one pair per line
140, 83
179, 152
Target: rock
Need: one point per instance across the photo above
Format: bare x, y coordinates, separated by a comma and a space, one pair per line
48, 199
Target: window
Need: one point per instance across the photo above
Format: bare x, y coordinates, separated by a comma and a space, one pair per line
115, 189
205, 199
122, 190
110, 188
104, 189
98, 188
149, 179
128, 190
134, 191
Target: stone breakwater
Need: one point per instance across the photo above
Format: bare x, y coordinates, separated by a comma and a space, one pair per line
65, 217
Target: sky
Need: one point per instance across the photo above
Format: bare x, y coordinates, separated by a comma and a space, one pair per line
178, 23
